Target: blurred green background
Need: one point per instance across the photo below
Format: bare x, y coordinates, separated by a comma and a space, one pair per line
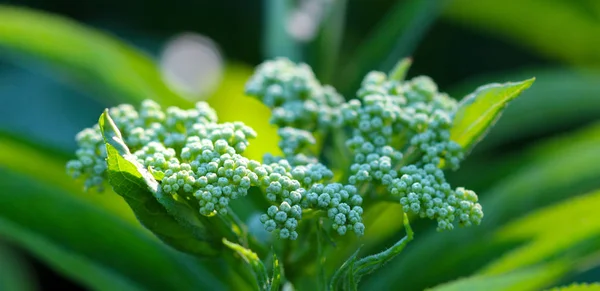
56, 78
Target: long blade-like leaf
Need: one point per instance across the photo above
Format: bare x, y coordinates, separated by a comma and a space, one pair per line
564, 30
87, 54
528, 279
89, 244
552, 231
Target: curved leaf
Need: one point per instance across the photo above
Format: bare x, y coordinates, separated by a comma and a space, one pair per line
523, 280
564, 30
478, 111
23, 158
257, 266
89, 244
343, 271
552, 230
86, 54
371, 263
354, 269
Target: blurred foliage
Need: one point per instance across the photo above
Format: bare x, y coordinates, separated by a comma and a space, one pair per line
16, 273
538, 170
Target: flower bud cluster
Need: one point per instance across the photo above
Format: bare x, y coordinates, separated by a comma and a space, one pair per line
147, 132
399, 141
296, 97
201, 160
396, 123
90, 162
425, 192
342, 204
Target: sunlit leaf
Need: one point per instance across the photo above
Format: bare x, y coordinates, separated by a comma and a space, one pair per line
276, 278
558, 29
258, 268
569, 97
523, 280
86, 54
24, 158
478, 111
549, 232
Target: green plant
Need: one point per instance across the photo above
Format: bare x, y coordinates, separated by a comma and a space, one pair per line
539, 229
179, 169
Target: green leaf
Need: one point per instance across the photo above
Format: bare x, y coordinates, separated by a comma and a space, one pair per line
371, 263
478, 111
174, 222
258, 268
550, 232
343, 271
569, 96
21, 157
353, 270
578, 287
527, 279
537, 25
86, 54
16, 274
276, 278
399, 71
89, 244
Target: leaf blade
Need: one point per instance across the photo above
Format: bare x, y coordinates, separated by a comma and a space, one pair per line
574, 220
111, 247
478, 111
91, 56
528, 279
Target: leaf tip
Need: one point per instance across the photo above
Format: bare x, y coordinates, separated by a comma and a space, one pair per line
399, 71
528, 82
